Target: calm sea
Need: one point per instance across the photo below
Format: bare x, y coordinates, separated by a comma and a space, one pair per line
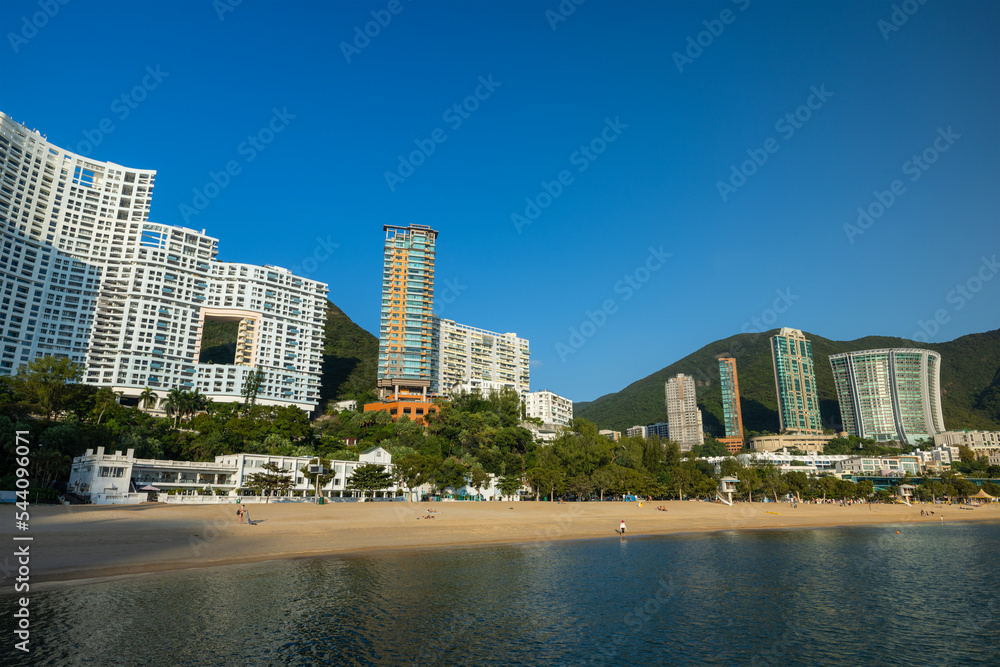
929, 595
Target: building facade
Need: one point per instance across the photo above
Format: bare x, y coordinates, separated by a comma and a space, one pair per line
549, 407
683, 414
474, 359
660, 429
803, 442
880, 466
86, 276
795, 382
107, 478
889, 394
981, 442
407, 327
636, 432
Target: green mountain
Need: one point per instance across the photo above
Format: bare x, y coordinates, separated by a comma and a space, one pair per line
218, 342
350, 358
970, 383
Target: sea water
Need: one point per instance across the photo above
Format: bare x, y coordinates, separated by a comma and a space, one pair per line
927, 595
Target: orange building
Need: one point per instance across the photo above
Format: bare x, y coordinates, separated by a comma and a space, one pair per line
410, 399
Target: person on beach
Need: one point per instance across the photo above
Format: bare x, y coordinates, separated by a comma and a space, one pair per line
246, 515
239, 513
621, 528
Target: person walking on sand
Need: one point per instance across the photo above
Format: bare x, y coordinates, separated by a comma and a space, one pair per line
621, 528
239, 513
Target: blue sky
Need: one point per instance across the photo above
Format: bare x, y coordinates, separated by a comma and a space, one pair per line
642, 139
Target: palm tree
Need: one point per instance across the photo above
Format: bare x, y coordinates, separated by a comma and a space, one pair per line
195, 402
148, 398
173, 404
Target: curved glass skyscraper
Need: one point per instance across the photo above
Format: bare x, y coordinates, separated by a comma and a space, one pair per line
890, 394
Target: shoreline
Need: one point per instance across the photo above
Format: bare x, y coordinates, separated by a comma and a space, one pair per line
83, 544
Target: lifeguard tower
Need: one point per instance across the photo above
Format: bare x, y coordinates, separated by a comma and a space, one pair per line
905, 493
727, 487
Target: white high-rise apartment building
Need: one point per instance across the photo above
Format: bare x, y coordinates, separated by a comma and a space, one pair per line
683, 415
474, 359
889, 394
85, 275
549, 407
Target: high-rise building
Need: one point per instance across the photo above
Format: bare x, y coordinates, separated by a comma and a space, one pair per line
731, 413
660, 429
86, 276
549, 407
683, 414
891, 394
795, 382
472, 359
407, 354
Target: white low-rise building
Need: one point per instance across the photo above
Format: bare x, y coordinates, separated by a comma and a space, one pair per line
981, 442
880, 466
636, 432
106, 478
807, 463
942, 455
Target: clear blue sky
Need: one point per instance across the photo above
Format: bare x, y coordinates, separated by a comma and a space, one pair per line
885, 94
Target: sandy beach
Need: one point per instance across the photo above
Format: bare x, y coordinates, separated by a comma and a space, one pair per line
77, 543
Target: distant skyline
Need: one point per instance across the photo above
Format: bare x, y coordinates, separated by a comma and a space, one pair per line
621, 185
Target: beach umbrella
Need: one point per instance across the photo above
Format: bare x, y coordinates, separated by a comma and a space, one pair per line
148, 487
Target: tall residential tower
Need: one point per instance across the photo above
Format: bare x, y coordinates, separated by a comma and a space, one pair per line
889, 394
85, 275
407, 354
683, 415
795, 383
731, 404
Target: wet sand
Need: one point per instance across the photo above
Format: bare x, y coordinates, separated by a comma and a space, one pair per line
83, 542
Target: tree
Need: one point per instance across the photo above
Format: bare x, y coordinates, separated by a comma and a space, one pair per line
148, 398
369, 477
47, 383
478, 478
749, 481
545, 478
105, 399
510, 484
580, 486
173, 403
412, 470
251, 387
273, 479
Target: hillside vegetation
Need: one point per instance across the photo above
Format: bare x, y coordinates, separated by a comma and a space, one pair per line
970, 383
